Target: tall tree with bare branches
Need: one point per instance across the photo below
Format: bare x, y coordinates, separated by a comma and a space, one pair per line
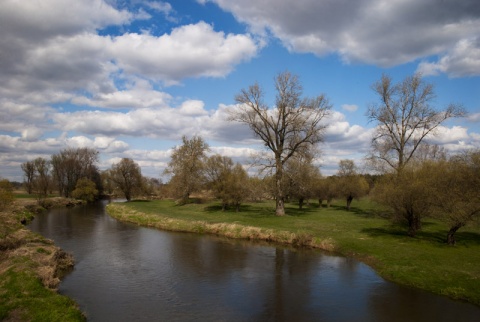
404, 117
290, 127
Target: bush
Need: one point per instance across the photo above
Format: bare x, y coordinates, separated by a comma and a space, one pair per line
6, 194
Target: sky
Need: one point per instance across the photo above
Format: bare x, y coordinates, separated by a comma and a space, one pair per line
130, 78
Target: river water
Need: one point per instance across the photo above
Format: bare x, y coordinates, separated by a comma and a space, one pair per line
128, 273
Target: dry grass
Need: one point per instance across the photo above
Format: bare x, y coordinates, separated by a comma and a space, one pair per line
231, 230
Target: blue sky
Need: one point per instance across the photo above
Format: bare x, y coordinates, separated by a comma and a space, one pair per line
129, 78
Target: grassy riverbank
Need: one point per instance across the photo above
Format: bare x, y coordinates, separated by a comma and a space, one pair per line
425, 262
30, 271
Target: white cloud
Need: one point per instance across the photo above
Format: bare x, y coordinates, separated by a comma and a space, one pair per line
140, 95
193, 108
350, 107
371, 31
189, 51
462, 60
102, 144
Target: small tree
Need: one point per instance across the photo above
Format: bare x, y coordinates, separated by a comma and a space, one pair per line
301, 177
291, 127
187, 168
456, 185
350, 184
85, 190
228, 182
326, 189
6, 194
408, 194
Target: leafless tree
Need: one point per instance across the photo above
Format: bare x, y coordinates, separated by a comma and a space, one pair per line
404, 117
126, 176
289, 128
72, 164
28, 169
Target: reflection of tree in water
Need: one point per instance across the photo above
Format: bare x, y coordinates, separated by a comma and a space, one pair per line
207, 257
289, 297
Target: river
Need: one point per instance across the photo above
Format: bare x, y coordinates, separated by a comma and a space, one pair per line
128, 273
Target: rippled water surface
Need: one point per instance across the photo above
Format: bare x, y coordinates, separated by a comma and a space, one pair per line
128, 273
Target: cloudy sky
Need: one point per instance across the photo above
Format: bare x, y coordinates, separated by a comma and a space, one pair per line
130, 78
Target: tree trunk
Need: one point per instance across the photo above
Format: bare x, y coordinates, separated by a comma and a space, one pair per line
414, 224
349, 202
237, 207
300, 203
451, 234
280, 207
320, 203
280, 196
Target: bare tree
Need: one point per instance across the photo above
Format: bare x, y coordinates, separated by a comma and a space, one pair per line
126, 176
42, 181
29, 175
72, 164
405, 117
290, 127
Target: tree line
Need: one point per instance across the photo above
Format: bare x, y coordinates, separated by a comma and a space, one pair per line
74, 173
415, 180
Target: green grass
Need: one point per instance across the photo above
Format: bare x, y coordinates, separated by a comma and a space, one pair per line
425, 261
24, 298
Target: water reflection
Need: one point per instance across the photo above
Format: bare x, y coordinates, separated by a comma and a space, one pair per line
126, 273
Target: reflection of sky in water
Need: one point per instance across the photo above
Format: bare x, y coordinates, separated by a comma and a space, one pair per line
124, 272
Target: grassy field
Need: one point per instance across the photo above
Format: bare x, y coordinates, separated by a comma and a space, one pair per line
29, 272
425, 261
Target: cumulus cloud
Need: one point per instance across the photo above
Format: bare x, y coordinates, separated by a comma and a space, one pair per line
139, 94
55, 44
371, 31
189, 51
462, 60
102, 144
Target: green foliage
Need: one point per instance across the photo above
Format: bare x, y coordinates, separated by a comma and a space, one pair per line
187, 168
408, 196
6, 194
350, 185
85, 190
24, 298
455, 184
228, 182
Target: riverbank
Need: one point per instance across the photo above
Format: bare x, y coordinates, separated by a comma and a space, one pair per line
30, 269
424, 262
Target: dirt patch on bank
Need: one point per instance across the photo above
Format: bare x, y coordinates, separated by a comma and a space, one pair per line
23, 250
